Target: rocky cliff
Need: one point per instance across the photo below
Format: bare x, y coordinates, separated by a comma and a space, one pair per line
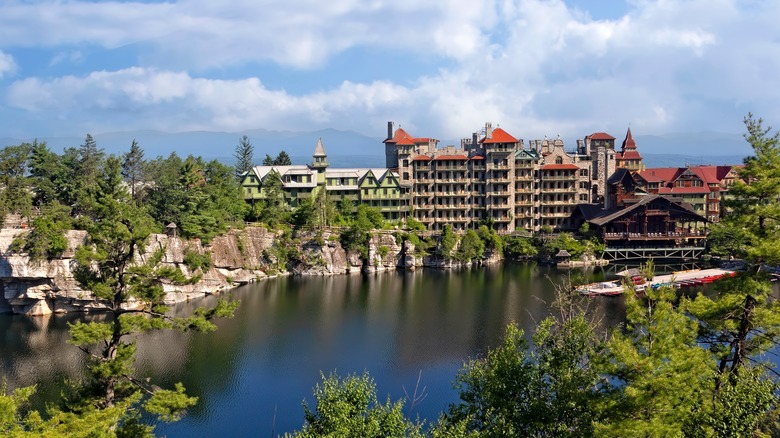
238, 257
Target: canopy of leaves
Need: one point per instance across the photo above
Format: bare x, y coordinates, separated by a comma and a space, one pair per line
349, 407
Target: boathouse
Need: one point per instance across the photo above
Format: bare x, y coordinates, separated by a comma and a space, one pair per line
647, 226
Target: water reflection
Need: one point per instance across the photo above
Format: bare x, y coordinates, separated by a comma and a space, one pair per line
253, 372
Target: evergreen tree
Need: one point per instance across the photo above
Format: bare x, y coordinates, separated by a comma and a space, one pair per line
282, 159
744, 319
133, 295
134, 169
15, 195
243, 154
268, 160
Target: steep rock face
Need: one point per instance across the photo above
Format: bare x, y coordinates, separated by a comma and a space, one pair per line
237, 257
384, 254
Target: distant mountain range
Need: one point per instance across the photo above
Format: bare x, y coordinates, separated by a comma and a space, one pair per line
352, 149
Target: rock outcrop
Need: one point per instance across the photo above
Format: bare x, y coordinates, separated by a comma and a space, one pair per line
238, 257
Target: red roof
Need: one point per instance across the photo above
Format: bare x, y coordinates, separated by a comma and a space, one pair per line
422, 158
628, 155
711, 174
451, 157
559, 167
660, 174
499, 136
399, 134
477, 157
601, 136
406, 141
629, 142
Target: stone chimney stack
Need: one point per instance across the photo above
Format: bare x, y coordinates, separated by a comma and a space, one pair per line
389, 130
488, 130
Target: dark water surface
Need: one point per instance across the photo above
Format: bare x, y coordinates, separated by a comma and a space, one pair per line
253, 372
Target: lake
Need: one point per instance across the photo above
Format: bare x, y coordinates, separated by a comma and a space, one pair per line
252, 374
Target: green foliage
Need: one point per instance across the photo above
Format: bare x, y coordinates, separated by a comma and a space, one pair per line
283, 159
244, 155
315, 212
563, 241
169, 405
15, 195
349, 407
16, 420
107, 266
413, 224
194, 260
493, 242
421, 246
471, 247
383, 251
520, 247
358, 235
134, 169
202, 198
662, 372
447, 241
273, 210
551, 390
47, 239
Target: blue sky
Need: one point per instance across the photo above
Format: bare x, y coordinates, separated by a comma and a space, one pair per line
439, 69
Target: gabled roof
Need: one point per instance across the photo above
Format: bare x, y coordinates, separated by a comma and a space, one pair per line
406, 141
609, 215
711, 174
620, 174
629, 143
661, 174
601, 136
527, 154
560, 167
499, 136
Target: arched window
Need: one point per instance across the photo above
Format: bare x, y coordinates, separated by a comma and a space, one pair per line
558, 160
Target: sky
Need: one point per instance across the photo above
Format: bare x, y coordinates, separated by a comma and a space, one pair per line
439, 68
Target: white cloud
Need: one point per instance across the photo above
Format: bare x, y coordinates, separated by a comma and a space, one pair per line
7, 64
534, 67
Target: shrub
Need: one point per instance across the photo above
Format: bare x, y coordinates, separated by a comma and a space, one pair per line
195, 260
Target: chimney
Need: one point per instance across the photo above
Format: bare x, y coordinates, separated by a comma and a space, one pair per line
488, 130
389, 130
474, 139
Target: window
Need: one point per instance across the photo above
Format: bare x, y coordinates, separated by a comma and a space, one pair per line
558, 160
406, 163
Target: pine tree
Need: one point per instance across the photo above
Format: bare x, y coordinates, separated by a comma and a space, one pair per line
134, 169
132, 291
744, 319
243, 154
282, 159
